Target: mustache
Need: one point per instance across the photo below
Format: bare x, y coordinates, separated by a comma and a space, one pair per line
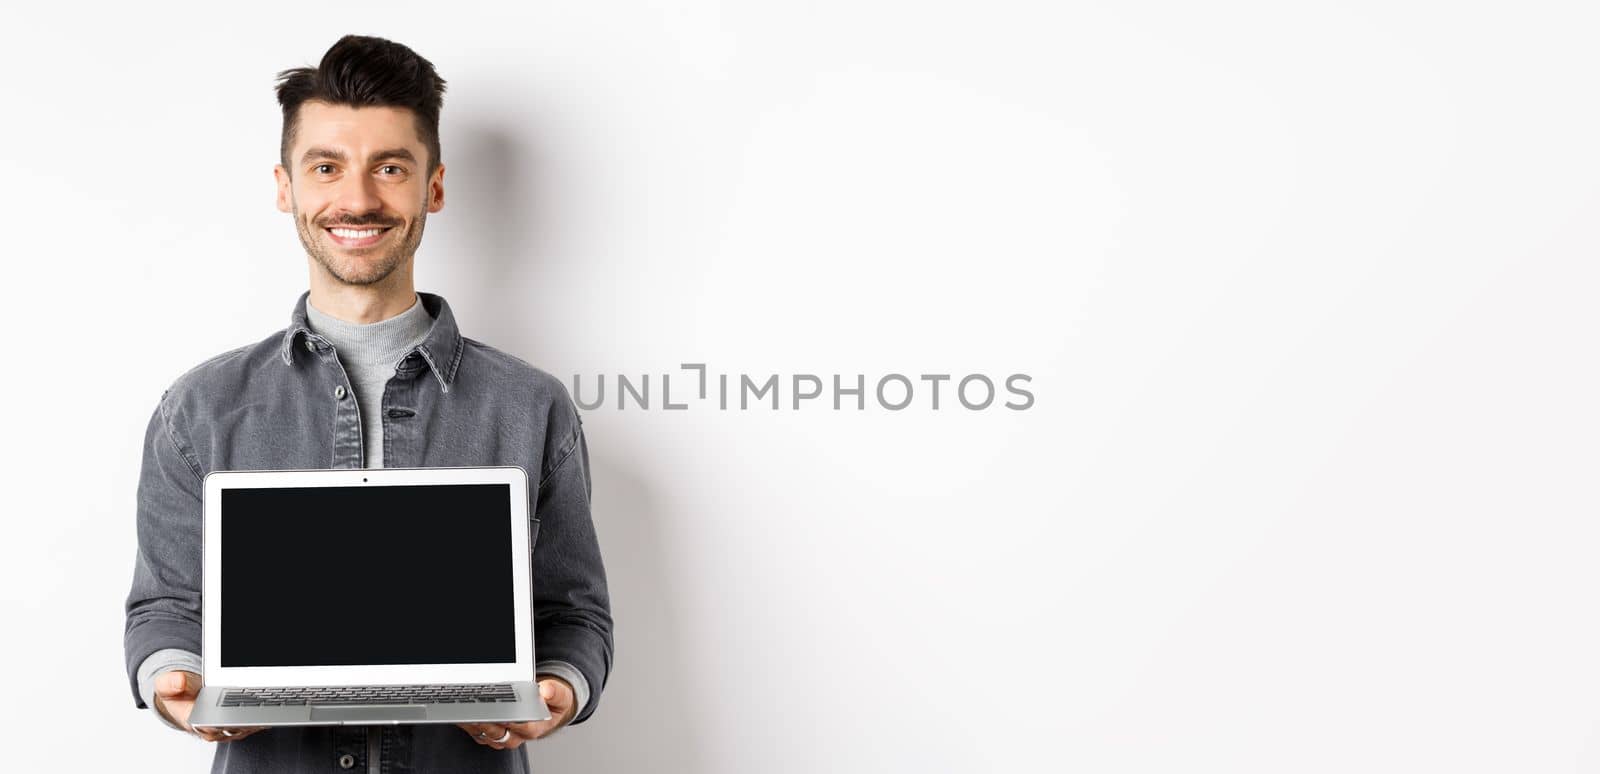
358, 221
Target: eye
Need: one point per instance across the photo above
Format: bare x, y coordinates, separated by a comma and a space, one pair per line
396, 169
323, 169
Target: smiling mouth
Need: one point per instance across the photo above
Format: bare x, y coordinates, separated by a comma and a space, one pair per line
364, 236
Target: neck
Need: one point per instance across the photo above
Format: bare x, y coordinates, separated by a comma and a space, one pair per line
362, 304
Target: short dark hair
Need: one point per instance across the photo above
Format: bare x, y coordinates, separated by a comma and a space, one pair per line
361, 71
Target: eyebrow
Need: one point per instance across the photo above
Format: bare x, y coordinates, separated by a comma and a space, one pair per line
330, 154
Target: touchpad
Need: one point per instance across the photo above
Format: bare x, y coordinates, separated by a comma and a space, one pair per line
385, 714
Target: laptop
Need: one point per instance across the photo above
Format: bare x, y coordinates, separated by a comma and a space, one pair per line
362, 596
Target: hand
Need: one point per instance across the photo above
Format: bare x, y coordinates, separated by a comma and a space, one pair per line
174, 699
557, 695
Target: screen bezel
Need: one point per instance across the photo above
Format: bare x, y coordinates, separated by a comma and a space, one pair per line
374, 674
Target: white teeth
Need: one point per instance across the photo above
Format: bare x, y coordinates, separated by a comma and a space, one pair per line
350, 233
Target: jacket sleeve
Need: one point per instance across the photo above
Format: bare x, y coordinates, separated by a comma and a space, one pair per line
163, 605
571, 605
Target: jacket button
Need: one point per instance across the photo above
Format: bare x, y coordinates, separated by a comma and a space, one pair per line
347, 761
310, 346
338, 392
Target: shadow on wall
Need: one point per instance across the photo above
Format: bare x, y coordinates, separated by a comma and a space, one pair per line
648, 714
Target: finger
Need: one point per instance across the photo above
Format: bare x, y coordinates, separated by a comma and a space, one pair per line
559, 698
188, 683
555, 690
528, 730
511, 743
175, 710
240, 733
485, 733
532, 730
179, 683
502, 737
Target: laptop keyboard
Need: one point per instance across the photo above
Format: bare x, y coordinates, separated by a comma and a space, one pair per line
370, 694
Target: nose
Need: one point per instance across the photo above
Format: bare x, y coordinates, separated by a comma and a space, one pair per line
358, 195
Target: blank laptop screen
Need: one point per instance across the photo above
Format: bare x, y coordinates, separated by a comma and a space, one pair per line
325, 576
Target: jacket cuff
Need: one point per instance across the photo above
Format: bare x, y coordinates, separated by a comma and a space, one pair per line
570, 673
583, 650
150, 636
157, 664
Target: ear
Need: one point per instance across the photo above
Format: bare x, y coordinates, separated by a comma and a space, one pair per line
285, 195
436, 190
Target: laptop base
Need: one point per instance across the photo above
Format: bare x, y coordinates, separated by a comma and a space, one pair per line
208, 712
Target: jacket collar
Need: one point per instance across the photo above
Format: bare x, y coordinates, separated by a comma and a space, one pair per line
441, 349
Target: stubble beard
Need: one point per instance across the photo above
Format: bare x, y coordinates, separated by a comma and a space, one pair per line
355, 268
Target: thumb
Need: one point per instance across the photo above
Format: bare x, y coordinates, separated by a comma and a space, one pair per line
178, 683
547, 690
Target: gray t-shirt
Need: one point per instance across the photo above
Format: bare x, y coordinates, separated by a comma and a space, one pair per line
370, 353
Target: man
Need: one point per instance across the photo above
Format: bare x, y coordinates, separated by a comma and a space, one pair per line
369, 373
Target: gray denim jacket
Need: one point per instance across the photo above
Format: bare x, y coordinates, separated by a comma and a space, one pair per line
285, 402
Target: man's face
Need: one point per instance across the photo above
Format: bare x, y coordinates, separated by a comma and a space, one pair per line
358, 188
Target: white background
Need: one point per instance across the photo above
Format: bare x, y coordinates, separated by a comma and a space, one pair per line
1306, 291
